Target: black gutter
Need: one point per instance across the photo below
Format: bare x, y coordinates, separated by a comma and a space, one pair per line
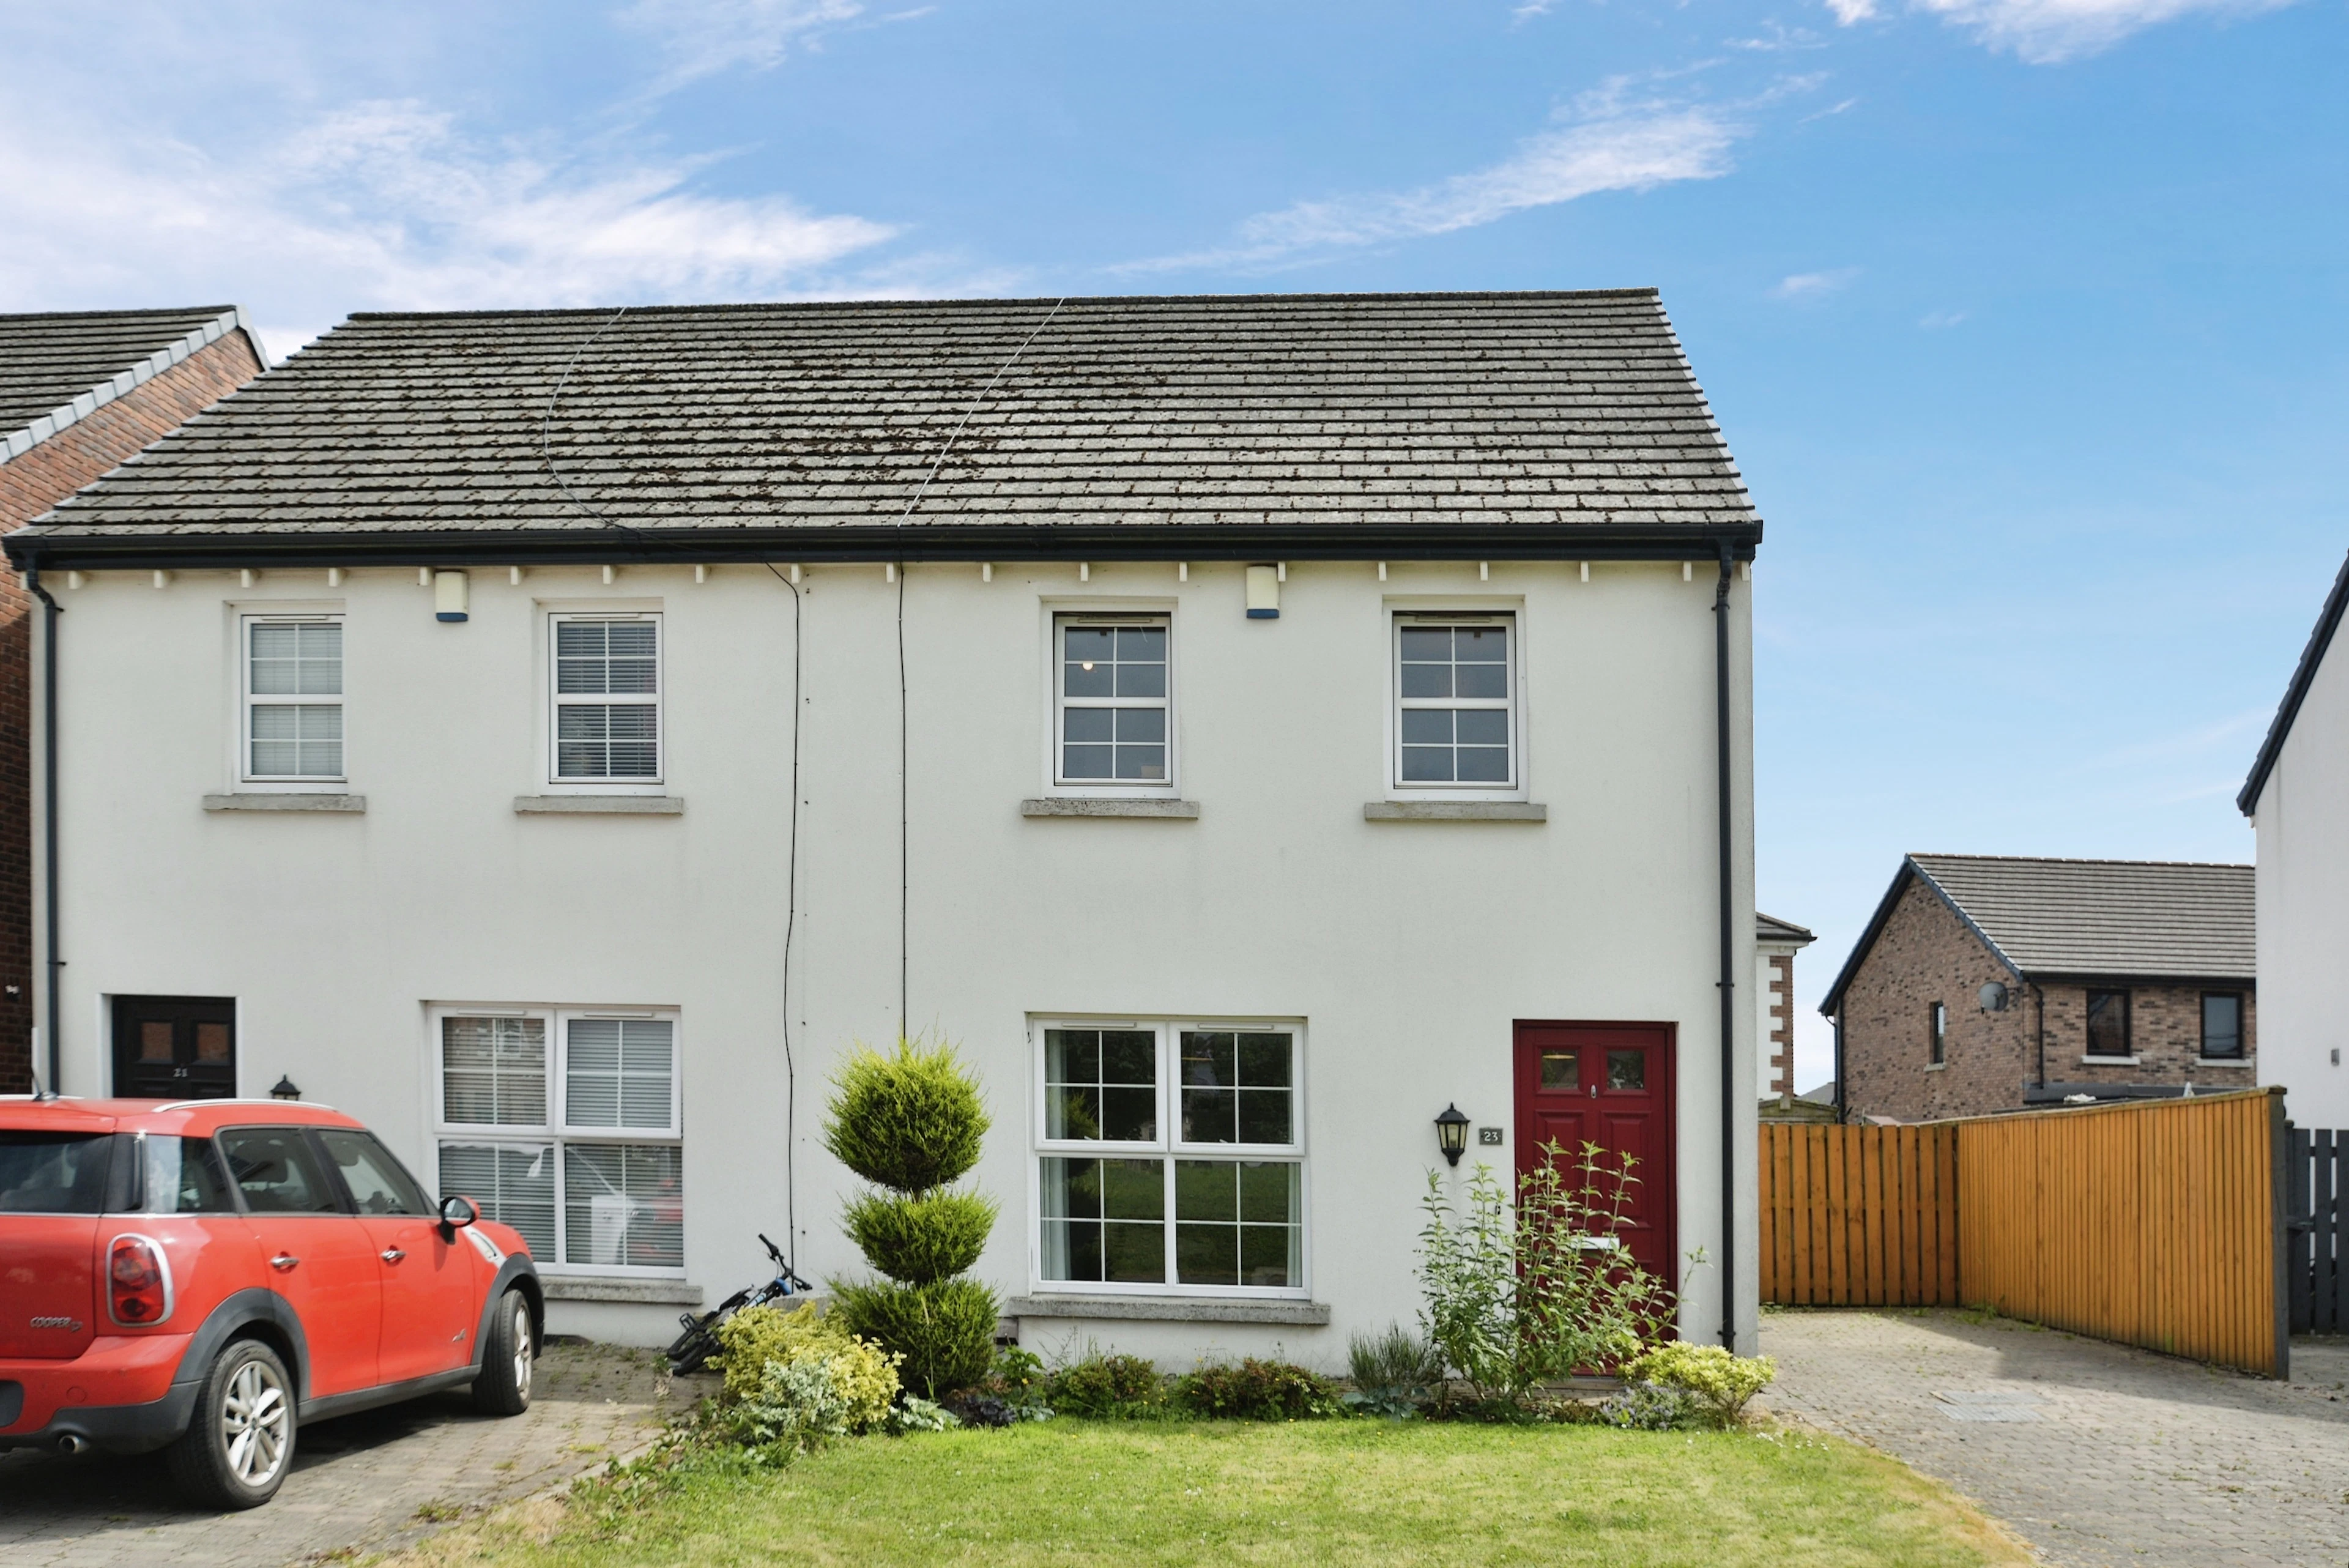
1729, 1096
50, 610
649, 541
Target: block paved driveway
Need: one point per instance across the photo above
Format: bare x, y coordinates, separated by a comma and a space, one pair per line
363, 1483
2096, 1454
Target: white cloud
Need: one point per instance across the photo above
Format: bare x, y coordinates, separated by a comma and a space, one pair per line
1940, 321
387, 206
1608, 144
2046, 32
1815, 284
702, 37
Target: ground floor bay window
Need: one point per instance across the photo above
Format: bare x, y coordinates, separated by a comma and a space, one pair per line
1170, 1157
565, 1124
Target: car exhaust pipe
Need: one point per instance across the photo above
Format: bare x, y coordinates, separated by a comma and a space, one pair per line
73, 1443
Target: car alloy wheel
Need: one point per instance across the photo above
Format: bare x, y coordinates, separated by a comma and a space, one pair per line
254, 1420
520, 1346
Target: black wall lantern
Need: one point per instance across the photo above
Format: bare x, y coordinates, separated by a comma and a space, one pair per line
1452, 1134
284, 1090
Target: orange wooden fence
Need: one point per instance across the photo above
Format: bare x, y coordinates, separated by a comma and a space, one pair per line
2153, 1223
1859, 1216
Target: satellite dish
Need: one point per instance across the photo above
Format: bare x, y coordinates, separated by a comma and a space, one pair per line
1992, 997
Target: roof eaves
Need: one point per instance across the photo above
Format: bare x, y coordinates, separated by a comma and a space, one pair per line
15, 443
1908, 867
2311, 657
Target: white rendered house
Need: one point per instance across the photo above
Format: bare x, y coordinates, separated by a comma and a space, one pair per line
1247, 726
2298, 800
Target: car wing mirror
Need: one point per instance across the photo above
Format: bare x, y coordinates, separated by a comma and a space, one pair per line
459, 1212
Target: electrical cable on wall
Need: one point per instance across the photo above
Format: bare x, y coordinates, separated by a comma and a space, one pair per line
905, 771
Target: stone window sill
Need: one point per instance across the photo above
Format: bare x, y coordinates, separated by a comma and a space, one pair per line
291, 801
1455, 811
638, 1293
1095, 805
1169, 1309
2223, 1062
1937, 1066
612, 805
2109, 1061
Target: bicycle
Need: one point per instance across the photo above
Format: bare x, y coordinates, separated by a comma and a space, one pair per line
698, 1343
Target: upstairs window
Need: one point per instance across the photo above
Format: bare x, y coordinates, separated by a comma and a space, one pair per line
1112, 702
1455, 696
606, 718
2222, 1025
1937, 1024
292, 701
2108, 1023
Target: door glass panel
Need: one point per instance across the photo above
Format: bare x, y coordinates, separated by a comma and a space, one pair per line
1560, 1070
1627, 1069
211, 1042
379, 1183
155, 1039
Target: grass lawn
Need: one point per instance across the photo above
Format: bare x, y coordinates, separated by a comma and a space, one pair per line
1356, 1492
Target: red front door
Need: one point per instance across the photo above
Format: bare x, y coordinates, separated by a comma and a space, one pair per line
1609, 1085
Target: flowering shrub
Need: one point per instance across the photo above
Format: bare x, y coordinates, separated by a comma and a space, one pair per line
1716, 1381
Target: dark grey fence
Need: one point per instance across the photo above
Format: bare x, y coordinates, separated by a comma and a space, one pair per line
2316, 1182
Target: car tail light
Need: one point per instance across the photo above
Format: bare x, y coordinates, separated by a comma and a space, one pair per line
138, 1282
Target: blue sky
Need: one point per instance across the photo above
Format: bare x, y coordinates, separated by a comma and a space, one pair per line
2024, 318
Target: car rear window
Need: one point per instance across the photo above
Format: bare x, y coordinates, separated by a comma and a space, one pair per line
54, 1173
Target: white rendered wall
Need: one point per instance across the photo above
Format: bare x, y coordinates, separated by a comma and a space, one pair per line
2302, 820
1407, 949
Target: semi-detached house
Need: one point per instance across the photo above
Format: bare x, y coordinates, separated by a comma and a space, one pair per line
1249, 726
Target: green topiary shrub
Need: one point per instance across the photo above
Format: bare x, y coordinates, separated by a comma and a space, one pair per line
911, 1120
944, 1331
930, 1236
1257, 1391
1108, 1385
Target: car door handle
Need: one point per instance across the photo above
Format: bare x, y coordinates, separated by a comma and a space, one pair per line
283, 1263
392, 1254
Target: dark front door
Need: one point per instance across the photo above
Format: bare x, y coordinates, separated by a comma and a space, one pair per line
175, 1047
1609, 1085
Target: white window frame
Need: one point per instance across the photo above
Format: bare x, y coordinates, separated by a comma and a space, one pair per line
557, 700
555, 1134
1060, 618
1168, 1148
1398, 617
247, 701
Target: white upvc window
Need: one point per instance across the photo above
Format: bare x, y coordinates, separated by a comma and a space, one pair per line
565, 1124
292, 720
605, 718
1457, 727
1113, 702
1170, 1157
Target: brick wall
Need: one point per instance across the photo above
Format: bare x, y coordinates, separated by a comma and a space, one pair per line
1782, 1026
1925, 954
30, 485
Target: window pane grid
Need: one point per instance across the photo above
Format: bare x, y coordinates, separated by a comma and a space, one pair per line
1178, 1214
1112, 686
607, 700
289, 734
1453, 696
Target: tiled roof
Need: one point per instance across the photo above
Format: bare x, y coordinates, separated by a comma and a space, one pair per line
2123, 918
2106, 916
1771, 928
2312, 657
1520, 416
49, 359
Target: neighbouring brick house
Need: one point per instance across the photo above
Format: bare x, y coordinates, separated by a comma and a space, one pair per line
80, 392
1992, 983
1775, 943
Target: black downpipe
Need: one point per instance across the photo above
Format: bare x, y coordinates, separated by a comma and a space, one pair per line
1728, 968
1842, 1107
50, 610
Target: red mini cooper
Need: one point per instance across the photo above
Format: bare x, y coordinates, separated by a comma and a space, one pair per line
202, 1277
